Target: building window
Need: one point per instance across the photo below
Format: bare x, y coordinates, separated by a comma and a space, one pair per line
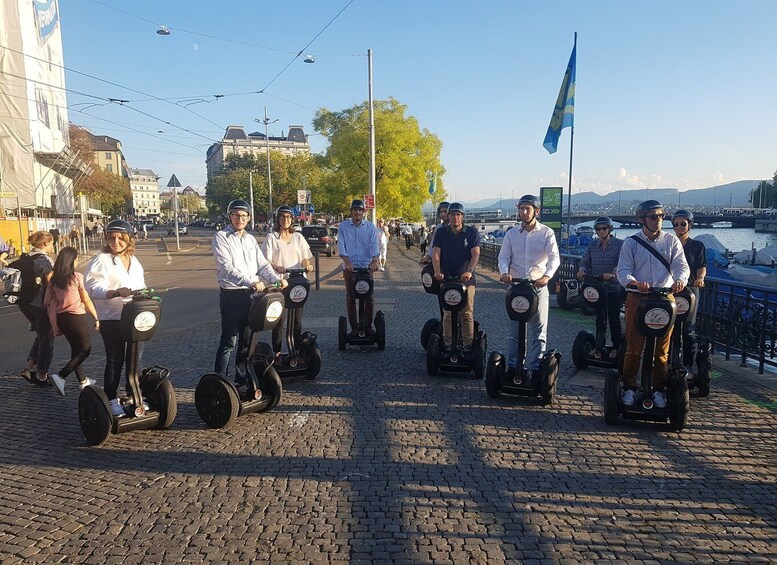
108, 155
109, 168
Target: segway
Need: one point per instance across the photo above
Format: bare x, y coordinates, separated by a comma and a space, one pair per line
151, 402
698, 379
589, 349
219, 401
362, 289
452, 297
521, 302
431, 286
303, 359
656, 315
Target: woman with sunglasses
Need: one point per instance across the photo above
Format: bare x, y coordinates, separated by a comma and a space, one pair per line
601, 259
696, 255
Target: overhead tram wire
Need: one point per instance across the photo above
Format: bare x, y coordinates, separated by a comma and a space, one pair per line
157, 98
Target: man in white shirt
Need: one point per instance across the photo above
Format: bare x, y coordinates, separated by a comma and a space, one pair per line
638, 270
529, 251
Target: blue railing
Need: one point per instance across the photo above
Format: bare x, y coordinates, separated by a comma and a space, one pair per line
737, 318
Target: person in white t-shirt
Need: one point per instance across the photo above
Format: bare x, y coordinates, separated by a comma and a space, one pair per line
383, 239
285, 248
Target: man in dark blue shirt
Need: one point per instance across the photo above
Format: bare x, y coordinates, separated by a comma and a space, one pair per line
455, 254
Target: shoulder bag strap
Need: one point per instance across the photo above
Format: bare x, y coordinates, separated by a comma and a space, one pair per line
655, 253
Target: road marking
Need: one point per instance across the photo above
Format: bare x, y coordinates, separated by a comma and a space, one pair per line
169, 258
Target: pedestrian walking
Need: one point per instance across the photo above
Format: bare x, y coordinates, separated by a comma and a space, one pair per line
423, 240
383, 239
66, 298
75, 237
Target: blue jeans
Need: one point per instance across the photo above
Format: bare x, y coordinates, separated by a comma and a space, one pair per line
234, 306
537, 334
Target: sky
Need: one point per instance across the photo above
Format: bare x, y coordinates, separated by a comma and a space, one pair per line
668, 95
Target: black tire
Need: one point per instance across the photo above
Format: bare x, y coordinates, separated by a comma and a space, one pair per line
479, 357
380, 329
621, 354
561, 299
342, 333
94, 415
432, 326
703, 374
163, 401
216, 401
313, 360
329, 253
611, 397
681, 401
584, 344
586, 307
432, 352
271, 387
549, 379
495, 370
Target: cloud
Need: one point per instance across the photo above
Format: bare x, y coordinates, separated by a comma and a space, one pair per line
196, 47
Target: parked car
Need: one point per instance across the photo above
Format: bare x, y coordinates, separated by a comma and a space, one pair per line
182, 230
321, 239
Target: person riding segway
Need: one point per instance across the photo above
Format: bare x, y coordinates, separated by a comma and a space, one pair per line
651, 267
359, 250
290, 255
696, 256
601, 289
527, 260
454, 258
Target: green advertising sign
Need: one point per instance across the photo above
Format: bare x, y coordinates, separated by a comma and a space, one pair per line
552, 198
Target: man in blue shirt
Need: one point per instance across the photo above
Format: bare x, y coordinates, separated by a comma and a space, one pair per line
455, 254
240, 266
357, 245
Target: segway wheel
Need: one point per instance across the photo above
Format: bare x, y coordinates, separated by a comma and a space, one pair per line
163, 401
431, 326
494, 374
432, 353
479, 357
549, 378
621, 354
680, 399
584, 344
611, 397
342, 333
94, 415
587, 308
380, 329
216, 401
272, 388
313, 360
704, 375
561, 299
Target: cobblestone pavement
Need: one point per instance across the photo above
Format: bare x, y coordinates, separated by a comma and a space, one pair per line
377, 462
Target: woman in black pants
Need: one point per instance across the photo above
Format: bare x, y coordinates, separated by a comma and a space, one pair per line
68, 302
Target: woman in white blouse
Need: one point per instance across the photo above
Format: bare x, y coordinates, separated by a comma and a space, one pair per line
111, 276
285, 249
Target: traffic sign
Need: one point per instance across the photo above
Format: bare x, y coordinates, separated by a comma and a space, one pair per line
173, 182
303, 197
311, 208
369, 201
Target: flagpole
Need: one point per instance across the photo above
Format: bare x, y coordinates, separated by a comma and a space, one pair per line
571, 150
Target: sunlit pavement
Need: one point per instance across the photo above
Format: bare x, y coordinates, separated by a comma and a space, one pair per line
377, 462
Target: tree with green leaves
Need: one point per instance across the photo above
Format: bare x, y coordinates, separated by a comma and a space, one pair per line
405, 157
769, 192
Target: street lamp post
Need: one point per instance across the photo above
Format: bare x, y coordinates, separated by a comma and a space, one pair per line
372, 135
267, 121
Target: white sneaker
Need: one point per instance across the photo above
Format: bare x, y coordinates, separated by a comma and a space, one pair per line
86, 383
59, 383
628, 398
659, 399
117, 409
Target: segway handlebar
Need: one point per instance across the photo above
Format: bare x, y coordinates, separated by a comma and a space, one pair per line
149, 293
361, 270
651, 289
520, 281
301, 271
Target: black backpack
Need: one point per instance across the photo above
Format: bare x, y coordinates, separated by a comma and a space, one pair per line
30, 284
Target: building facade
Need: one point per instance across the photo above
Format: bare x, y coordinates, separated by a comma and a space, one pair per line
144, 186
236, 142
108, 155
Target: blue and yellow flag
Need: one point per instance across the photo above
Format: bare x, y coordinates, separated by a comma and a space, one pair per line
564, 112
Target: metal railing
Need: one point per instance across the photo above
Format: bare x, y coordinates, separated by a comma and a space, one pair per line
737, 318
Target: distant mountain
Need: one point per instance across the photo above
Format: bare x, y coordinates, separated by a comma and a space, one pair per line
736, 194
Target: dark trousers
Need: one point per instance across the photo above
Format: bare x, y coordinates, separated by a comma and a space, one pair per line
42, 350
689, 337
116, 355
423, 248
279, 332
234, 306
76, 331
613, 318
350, 302
635, 343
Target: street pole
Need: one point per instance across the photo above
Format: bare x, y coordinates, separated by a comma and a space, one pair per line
251, 197
269, 174
372, 135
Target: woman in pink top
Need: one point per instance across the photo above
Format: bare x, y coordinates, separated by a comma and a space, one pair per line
67, 295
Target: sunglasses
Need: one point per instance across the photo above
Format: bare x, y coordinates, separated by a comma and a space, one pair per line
655, 216
680, 224
601, 228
